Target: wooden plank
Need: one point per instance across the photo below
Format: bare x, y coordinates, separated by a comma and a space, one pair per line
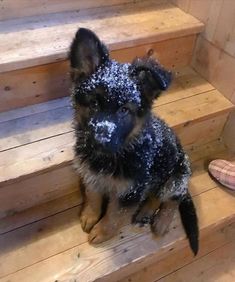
28, 129
173, 53
11, 9
200, 176
194, 134
182, 4
218, 17
39, 212
61, 232
34, 109
43, 83
216, 66
53, 118
193, 109
56, 151
229, 132
114, 259
36, 158
206, 151
178, 259
218, 266
42, 43
52, 81
22, 191
37, 190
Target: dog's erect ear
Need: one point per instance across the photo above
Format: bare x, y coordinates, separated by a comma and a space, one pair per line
151, 76
87, 52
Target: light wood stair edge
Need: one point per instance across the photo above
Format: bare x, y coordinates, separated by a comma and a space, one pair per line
52, 157
179, 262
52, 203
52, 81
131, 268
53, 170
9, 10
32, 55
138, 248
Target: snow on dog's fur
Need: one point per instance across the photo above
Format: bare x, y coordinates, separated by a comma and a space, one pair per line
127, 157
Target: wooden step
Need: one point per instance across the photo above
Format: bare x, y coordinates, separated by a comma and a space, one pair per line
11, 9
34, 49
36, 144
216, 265
56, 249
37, 41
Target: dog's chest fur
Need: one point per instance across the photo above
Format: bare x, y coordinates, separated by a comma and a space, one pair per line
104, 183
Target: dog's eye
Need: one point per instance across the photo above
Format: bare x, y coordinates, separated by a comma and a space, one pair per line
93, 104
124, 110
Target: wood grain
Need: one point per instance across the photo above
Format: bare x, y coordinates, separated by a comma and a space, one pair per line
114, 259
39, 212
219, 266
11, 9
216, 66
42, 146
55, 151
180, 259
196, 108
36, 190
200, 183
53, 118
229, 132
51, 81
214, 55
129, 25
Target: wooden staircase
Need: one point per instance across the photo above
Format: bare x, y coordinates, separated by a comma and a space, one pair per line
41, 238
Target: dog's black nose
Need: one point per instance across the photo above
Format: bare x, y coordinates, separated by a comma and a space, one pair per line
103, 130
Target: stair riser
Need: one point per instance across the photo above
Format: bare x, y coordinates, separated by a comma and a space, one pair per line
37, 188
202, 132
12, 9
51, 81
176, 259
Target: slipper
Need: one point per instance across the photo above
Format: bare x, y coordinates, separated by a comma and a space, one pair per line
224, 172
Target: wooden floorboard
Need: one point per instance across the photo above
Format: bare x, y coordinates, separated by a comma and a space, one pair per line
177, 260
76, 259
38, 122
30, 154
45, 39
217, 266
57, 238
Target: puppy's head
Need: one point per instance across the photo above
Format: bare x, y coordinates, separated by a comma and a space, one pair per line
112, 100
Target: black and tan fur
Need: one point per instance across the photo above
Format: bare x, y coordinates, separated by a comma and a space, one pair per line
130, 161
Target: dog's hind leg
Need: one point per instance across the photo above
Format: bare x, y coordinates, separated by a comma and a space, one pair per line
175, 194
163, 218
146, 211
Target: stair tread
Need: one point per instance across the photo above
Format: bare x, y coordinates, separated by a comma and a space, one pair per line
10, 9
45, 39
21, 257
40, 137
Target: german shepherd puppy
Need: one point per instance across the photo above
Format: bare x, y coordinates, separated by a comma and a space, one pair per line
124, 153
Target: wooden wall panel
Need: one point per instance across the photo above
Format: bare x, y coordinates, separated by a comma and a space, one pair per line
214, 56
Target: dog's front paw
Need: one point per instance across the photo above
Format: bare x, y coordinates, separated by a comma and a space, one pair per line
88, 219
102, 232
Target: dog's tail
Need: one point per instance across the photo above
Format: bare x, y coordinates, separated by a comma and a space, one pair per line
189, 220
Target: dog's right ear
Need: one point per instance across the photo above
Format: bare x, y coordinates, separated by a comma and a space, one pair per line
87, 53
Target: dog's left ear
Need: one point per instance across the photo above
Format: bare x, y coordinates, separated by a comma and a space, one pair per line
151, 76
87, 53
